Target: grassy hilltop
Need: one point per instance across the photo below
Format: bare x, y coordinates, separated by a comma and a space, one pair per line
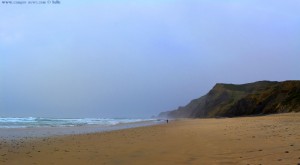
229, 100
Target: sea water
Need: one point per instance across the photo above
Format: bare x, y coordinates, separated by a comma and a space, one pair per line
31, 122
41, 127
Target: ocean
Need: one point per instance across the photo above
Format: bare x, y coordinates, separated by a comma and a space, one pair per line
40, 127
31, 122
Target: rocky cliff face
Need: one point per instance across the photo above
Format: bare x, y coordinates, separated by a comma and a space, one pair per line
228, 100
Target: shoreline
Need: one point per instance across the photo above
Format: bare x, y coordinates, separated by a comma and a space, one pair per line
40, 132
272, 139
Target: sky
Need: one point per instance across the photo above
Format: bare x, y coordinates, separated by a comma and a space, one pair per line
137, 58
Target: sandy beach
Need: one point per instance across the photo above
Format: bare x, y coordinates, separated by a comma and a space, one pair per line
273, 139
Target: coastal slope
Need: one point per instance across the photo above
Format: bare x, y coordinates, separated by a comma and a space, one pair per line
230, 100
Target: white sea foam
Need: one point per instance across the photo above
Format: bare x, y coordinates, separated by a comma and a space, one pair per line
31, 122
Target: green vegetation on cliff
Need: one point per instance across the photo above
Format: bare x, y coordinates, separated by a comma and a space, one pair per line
229, 100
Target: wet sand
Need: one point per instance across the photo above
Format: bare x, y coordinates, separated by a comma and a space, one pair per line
38, 132
273, 139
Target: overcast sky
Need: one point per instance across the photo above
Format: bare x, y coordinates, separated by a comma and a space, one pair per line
136, 58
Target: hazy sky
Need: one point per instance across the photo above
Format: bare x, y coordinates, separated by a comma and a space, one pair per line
136, 58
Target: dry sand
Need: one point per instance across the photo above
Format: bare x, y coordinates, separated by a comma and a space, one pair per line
273, 139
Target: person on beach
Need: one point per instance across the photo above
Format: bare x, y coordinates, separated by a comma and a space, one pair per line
167, 121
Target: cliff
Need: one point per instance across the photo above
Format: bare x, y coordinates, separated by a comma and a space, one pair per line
229, 100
